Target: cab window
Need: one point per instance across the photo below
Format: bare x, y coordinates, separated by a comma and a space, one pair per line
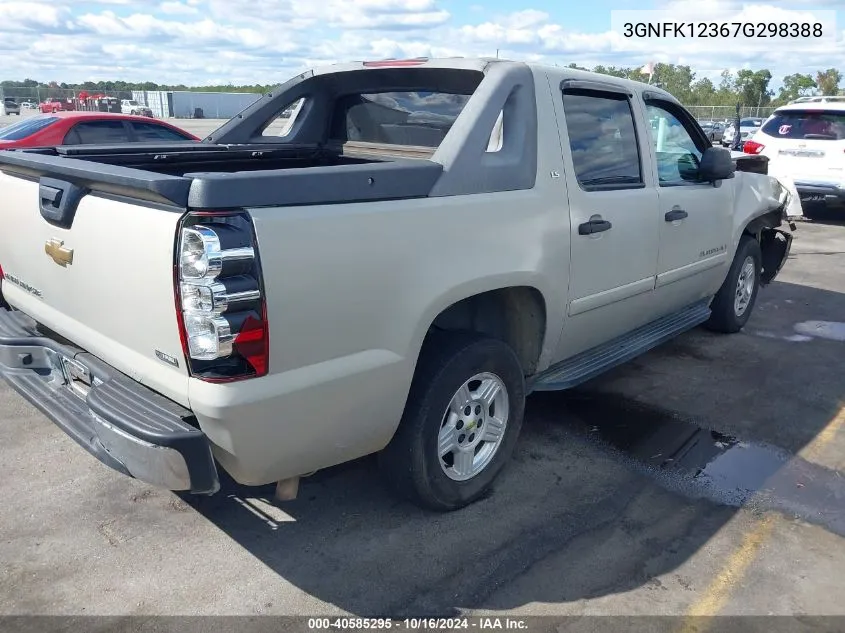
677, 153
602, 139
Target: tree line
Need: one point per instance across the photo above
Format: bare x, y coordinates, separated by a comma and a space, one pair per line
750, 88
109, 87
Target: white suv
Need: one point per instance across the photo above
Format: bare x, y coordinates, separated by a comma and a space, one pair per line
806, 142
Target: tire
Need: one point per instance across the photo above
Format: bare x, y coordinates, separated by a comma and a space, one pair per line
412, 462
729, 312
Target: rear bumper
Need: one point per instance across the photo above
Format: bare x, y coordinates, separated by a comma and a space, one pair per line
125, 425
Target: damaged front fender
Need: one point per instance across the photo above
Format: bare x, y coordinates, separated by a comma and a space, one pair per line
762, 204
775, 245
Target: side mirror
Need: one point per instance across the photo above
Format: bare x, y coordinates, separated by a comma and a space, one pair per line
716, 164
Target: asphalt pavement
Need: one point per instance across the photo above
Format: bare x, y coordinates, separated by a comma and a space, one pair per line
705, 477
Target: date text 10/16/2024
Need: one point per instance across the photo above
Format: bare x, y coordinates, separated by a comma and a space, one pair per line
417, 624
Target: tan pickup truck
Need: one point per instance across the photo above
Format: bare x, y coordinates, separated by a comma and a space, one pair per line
390, 268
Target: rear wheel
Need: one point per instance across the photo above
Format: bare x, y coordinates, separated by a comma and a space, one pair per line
732, 306
461, 421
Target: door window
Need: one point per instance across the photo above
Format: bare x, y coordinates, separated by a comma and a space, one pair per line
150, 132
602, 139
97, 133
678, 155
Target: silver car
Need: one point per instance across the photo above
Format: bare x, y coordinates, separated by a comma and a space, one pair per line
747, 128
714, 130
10, 106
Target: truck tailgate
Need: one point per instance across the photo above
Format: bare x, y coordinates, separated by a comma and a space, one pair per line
105, 283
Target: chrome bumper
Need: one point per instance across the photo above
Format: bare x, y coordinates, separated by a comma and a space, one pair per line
125, 425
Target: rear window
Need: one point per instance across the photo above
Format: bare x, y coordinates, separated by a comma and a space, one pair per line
751, 122
25, 128
821, 125
412, 118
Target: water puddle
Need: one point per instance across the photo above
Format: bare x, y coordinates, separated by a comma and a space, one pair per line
830, 330
702, 463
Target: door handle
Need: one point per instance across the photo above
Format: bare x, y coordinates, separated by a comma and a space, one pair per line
675, 214
594, 225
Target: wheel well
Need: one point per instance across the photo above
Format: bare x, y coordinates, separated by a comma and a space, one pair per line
773, 246
515, 315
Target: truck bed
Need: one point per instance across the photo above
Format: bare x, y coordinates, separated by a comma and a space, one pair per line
209, 176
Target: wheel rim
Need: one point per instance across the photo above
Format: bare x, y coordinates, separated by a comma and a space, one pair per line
744, 286
473, 426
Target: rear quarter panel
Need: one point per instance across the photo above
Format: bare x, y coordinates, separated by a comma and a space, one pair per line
351, 292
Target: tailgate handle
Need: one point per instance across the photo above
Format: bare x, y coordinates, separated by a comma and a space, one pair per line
58, 201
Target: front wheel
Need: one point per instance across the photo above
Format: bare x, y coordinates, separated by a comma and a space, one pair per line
731, 307
461, 421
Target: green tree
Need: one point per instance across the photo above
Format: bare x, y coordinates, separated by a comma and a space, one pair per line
703, 92
675, 79
828, 81
752, 87
794, 86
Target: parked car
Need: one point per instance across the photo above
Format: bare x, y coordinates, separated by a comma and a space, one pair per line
81, 128
29, 105
820, 99
806, 142
56, 105
747, 128
385, 277
130, 106
714, 130
10, 106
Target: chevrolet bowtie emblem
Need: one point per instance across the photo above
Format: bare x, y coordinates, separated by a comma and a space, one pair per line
61, 255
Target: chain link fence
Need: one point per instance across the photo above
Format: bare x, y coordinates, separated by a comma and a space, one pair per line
728, 113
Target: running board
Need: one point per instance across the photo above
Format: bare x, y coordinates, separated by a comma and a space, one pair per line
589, 364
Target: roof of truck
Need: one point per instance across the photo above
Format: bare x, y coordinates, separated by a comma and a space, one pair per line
483, 64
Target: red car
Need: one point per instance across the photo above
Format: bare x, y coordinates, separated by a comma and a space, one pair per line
88, 128
56, 105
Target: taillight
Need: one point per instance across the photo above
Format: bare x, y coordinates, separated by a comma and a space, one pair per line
752, 147
220, 303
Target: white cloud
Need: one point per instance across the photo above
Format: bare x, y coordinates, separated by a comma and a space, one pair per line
177, 8
241, 41
32, 16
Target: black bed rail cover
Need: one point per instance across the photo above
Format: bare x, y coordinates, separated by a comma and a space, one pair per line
100, 177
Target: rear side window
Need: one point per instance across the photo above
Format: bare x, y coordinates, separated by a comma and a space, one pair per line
602, 139
97, 133
282, 123
820, 125
412, 118
146, 132
25, 128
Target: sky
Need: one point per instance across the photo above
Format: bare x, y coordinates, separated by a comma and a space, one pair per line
203, 42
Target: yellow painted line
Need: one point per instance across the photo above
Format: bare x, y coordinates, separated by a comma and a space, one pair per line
813, 450
716, 596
